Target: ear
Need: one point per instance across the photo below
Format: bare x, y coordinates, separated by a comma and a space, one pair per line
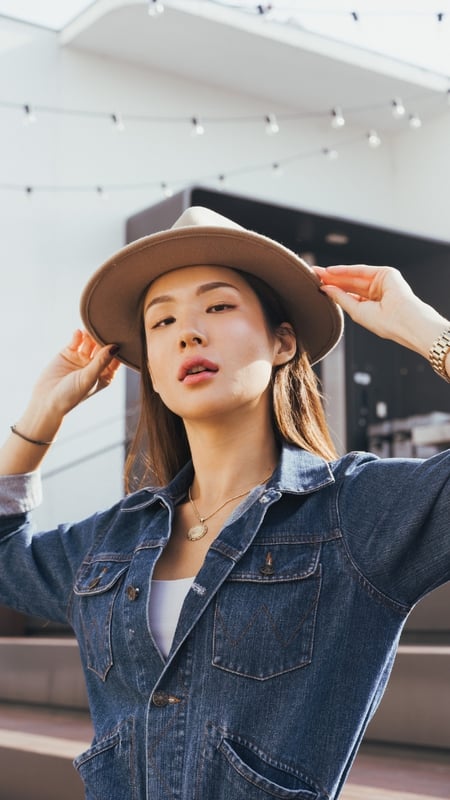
285, 344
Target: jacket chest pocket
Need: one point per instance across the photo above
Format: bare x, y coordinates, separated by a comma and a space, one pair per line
265, 612
96, 588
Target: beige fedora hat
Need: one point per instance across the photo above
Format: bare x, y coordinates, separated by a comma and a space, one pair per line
110, 303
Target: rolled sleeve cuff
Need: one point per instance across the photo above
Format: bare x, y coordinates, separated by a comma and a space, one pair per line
20, 493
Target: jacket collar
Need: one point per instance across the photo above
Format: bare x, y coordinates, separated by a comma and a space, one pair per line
298, 472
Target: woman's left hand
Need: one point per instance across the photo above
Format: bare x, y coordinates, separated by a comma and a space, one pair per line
379, 299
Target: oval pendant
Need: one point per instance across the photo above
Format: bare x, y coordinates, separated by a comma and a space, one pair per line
197, 532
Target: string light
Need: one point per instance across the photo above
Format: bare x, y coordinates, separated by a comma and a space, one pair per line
272, 126
30, 116
166, 189
337, 118
155, 8
277, 169
103, 195
398, 109
197, 127
293, 7
373, 139
414, 121
118, 122
272, 121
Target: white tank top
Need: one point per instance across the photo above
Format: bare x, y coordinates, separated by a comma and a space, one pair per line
166, 600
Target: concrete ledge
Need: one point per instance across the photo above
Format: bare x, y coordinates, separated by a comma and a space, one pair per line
355, 792
37, 747
29, 773
43, 671
416, 706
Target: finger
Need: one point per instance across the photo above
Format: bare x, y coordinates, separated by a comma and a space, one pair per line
101, 369
360, 270
349, 302
77, 338
361, 284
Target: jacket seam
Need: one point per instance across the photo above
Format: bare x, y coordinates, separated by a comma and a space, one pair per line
364, 581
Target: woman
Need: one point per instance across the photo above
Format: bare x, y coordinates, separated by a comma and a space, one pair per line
237, 626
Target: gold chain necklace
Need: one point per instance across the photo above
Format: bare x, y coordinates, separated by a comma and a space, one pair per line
200, 530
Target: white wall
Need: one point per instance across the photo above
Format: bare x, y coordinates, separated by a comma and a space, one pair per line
421, 177
52, 241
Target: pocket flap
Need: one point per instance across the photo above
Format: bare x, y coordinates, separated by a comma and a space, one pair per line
274, 563
97, 577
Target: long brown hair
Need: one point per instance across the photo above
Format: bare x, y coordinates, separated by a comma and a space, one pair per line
160, 447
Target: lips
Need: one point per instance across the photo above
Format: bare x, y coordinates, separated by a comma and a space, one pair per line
195, 366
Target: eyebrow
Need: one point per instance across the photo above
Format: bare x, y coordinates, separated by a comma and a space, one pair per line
202, 289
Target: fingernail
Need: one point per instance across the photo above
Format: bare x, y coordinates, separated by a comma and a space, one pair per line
114, 350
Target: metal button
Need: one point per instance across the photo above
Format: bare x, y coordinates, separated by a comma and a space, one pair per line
267, 568
162, 699
133, 592
95, 581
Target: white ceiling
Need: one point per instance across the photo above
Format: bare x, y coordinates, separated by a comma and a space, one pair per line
288, 67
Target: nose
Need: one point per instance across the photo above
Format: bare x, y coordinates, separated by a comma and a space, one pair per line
190, 337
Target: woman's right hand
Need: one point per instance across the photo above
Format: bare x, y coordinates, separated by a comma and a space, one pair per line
79, 371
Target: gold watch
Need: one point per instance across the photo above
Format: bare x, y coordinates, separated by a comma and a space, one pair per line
438, 353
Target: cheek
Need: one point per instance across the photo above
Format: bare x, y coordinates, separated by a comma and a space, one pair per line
253, 377
152, 371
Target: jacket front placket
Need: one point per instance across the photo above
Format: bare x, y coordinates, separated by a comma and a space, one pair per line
168, 733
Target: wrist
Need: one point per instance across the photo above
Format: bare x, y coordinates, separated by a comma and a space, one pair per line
39, 423
439, 354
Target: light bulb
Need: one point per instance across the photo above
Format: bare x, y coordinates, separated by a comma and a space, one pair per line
272, 126
337, 118
373, 139
414, 121
30, 116
277, 170
155, 8
197, 127
118, 122
398, 109
166, 190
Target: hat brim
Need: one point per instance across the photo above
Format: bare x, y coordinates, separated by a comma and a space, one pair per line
111, 301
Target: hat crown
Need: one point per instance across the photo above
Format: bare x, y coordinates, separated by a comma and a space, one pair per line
198, 216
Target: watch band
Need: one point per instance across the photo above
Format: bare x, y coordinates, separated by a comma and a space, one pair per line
438, 353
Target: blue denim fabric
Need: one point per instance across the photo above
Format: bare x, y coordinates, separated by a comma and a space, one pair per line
284, 643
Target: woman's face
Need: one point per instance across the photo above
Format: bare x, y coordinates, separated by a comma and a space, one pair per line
210, 352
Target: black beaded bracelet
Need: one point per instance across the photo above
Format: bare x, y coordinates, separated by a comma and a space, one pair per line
27, 438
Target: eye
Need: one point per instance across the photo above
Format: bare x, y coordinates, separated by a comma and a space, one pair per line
162, 323
217, 307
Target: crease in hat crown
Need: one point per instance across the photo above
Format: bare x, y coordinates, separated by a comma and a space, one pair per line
111, 301
200, 216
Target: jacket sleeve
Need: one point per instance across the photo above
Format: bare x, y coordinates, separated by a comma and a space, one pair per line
37, 569
395, 519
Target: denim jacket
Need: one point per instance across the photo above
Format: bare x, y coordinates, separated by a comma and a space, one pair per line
285, 640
